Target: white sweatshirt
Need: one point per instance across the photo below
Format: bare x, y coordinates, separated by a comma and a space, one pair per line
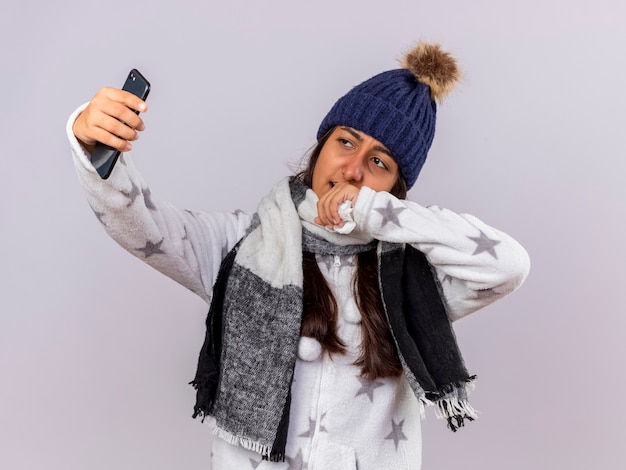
338, 420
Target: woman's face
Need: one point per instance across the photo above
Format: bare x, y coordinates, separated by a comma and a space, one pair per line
351, 156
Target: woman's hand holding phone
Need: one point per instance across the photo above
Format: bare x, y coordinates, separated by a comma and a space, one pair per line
110, 122
109, 118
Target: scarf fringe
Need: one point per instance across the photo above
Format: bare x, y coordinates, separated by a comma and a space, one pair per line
455, 407
204, 390
249, 444
423, 403
265, 451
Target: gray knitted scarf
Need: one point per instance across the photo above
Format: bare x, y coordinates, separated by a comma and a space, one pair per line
246, 364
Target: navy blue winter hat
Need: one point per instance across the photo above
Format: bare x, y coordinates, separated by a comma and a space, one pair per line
398, 107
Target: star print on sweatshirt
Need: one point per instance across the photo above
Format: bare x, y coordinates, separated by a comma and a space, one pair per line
337, 418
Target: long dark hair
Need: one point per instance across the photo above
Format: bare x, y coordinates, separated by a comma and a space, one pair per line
378, 357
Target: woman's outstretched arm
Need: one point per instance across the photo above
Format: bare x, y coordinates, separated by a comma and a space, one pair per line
187, 246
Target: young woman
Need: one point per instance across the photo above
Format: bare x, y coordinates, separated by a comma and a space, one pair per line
329, 328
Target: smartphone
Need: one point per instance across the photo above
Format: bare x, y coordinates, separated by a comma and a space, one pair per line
104, 157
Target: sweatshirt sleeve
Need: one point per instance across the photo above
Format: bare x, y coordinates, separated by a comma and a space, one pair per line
475, 263
187, 246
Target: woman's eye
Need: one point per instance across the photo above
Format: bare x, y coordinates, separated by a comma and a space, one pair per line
345, 142
378, 162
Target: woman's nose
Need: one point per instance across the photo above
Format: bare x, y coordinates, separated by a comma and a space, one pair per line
353, 169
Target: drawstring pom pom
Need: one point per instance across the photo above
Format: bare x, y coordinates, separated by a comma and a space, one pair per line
434, 67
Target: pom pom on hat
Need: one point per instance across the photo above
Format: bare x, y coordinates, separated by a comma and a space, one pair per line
398, 107
434, 67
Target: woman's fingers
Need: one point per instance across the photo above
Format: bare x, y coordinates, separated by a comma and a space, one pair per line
109, 118
122, 96
113, 133
328, 204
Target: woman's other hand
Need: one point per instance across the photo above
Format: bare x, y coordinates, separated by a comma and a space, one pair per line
328, 204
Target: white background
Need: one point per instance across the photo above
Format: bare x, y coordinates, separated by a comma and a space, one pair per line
96, 349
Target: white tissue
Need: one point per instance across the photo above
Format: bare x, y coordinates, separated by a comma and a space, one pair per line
345, 212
